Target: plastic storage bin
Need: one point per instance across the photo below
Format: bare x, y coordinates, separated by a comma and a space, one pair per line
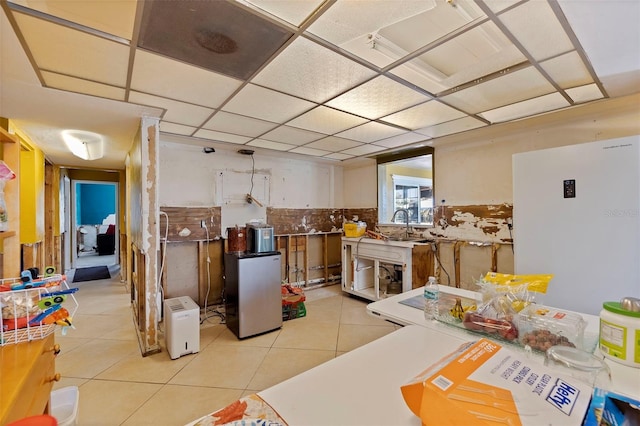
64, 405
354, 229
541, 327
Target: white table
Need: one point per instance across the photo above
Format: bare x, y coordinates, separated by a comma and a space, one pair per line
362, 387
625, 380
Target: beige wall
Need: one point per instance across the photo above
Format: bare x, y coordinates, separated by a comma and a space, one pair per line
474, 167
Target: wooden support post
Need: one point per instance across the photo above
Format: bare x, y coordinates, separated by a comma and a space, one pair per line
325, 257
306, 259
456, 260
494, 257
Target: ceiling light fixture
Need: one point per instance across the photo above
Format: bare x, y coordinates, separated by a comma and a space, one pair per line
83, 144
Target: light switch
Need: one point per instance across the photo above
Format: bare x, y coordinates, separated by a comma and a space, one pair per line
570, 188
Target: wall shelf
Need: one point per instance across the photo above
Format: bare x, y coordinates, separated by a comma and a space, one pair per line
7, 234
7, 137
11, 256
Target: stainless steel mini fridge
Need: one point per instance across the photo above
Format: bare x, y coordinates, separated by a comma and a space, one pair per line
253, 300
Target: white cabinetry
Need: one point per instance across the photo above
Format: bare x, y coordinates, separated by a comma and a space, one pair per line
369, 266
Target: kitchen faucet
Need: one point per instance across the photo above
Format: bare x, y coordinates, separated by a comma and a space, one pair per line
406, 216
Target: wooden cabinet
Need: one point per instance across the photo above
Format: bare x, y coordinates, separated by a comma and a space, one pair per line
28, 372
373, 268
11, 238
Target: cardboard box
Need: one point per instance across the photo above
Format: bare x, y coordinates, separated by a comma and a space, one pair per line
612, 409
484, 383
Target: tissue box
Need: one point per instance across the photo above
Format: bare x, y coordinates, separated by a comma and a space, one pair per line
485, 383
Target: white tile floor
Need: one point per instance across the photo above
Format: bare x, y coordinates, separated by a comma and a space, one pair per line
120, 387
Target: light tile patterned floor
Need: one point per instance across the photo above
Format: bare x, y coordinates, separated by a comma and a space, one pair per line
120, 387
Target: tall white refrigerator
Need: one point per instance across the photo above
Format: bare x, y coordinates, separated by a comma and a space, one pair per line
576, 214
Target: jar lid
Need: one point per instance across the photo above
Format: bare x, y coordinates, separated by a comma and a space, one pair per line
617, 309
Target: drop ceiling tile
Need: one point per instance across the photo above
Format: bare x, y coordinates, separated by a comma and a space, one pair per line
455, 126
370, 132
423, 115
220, 36
74, 53
310, 151
384, 32
291, 135
511, 88
333, 143
346, 20
177, 112
441, 19
111, 17
479, 52
165, 77
221, 136
265, 104
567, 70
77, 85
338, 156
176, 129
535, 26
499, 5
326, 120
377, 98
526, 108
586, 93
241, 125
293, 11
261, 143
310, 71
608, 32
402, 140
363, 150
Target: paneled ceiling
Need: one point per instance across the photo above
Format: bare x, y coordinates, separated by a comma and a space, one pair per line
333, 79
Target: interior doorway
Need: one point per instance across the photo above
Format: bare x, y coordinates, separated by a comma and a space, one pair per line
94, 223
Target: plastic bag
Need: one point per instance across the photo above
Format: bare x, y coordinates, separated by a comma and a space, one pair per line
5, 172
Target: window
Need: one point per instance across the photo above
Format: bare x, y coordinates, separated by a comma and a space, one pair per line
405, 187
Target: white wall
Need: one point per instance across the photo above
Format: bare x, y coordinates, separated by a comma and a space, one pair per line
360, 185
188, 177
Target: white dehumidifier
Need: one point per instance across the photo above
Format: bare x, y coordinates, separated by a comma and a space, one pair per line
181, 326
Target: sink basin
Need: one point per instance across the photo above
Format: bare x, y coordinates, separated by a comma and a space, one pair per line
409, 239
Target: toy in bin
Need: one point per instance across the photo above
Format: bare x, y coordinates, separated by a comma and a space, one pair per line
292, 302
31, 309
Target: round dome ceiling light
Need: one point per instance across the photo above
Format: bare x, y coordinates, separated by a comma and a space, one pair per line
83, 144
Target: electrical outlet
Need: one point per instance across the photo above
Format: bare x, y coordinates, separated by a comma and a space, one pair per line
203, 224
510, 223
